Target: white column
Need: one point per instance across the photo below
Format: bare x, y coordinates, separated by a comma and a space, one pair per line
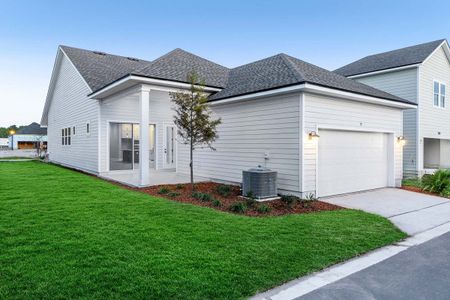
144, 143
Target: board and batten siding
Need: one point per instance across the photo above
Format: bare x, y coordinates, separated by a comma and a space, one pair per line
70, 107
403, 84
249, 130
434, 121
329, 112
124, 108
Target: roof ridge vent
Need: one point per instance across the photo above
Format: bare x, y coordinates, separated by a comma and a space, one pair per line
99, 53
132, 59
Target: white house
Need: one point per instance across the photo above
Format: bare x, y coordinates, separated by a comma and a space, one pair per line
28, 137
272, 111
4, 143
420, 74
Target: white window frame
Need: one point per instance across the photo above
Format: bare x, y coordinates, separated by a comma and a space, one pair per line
66, 136
73, 130
441, 104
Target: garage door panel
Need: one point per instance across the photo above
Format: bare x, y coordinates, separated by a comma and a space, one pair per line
351, 161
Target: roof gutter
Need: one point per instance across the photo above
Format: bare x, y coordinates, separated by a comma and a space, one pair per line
384, 71
130, 79
317, 89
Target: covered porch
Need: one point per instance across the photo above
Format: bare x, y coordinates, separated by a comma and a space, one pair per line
138, 140
436, 154
156, 177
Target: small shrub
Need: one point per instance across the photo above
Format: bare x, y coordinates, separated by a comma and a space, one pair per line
250, 202
238, 207
163, 191
179, 187
414, 182
311, 197
223, 190
289, 200
264, 209
306, 203
438, 183
173, 194
250, 195
216, 203
202, 196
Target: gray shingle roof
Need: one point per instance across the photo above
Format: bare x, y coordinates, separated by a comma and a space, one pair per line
284, 70
392, 59
33, 128
177, 64
99, 68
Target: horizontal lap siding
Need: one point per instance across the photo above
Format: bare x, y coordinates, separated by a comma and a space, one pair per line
321, 111
248, 130
434, 119
402, 84
71, 107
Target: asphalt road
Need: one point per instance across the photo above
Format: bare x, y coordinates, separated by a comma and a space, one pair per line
420, 272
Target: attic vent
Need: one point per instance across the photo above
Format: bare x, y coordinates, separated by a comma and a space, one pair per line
99, 53
132, 58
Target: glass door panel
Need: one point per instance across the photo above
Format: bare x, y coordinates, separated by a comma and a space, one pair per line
152, 140
120, 146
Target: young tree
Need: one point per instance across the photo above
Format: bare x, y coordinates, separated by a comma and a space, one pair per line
196, 127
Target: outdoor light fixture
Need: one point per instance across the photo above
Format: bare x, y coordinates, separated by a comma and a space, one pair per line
313, 135
401, 140
12, 132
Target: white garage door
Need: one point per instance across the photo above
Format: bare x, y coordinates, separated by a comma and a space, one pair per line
351, 161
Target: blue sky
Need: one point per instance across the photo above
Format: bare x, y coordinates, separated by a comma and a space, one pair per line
326, 33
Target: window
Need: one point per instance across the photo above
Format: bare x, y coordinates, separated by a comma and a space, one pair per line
438, 94
65, 136
88, 128
73, 130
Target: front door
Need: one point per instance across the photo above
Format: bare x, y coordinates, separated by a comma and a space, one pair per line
169, 146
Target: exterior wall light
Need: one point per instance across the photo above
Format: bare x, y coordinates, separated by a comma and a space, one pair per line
401, 140
313, 135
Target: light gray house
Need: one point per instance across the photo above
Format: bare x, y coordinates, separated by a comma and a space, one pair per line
420, 74
104, 111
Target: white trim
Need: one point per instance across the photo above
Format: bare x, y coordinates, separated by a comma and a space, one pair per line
99, 136
435, 50
51, 87
384, 71
141, 79
312, 88
439, 82
419, 154
302, 141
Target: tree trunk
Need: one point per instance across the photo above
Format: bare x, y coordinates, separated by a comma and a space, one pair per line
191, 165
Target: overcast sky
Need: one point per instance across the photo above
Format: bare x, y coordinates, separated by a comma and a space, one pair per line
326, 33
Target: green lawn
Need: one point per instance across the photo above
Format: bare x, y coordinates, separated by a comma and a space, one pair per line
67, 235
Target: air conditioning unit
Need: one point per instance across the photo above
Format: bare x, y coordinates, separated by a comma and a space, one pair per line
260, 182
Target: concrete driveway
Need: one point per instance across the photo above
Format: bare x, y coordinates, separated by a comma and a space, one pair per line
411, 212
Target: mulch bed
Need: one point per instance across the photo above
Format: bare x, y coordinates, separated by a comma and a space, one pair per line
419, 190
183, 193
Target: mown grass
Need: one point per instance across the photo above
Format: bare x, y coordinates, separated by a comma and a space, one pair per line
64, 234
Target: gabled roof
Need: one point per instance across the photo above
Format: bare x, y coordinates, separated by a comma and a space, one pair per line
100, 68
33, 128
391, 59
177, 64
283, 70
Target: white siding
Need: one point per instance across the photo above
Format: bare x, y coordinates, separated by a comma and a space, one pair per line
403, 84
249, 130
434, 119
71, 107
125, 108
326, 112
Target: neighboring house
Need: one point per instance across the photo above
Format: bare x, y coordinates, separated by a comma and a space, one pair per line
28, 137
4, 143
272, 111
420, 74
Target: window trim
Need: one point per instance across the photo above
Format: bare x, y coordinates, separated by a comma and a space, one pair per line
66, 136
440, 83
